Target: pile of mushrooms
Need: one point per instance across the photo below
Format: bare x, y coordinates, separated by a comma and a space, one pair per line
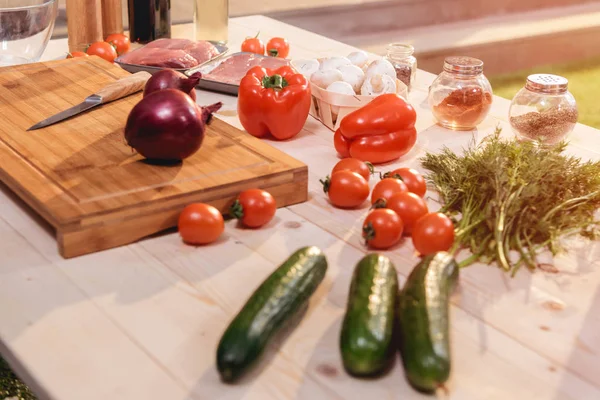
351, 75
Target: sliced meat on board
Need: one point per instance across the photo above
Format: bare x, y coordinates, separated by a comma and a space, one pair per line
171, 53
233, 68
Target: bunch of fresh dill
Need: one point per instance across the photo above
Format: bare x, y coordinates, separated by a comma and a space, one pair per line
509, 195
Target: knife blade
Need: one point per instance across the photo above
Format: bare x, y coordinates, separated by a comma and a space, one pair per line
113, 91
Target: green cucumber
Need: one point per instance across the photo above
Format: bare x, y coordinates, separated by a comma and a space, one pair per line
423, 317
277, 299
366, 340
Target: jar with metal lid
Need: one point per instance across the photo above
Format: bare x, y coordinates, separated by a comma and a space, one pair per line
544, 110
405, 64
461, 96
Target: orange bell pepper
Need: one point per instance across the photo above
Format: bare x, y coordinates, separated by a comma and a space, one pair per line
379, 132
273, 102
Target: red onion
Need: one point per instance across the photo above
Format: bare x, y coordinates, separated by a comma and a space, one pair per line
171, 79
167, 125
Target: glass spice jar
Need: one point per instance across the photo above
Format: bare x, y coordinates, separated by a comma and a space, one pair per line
405, 64
461, 96
544, 110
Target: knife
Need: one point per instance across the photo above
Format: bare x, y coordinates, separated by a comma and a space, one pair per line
113, 91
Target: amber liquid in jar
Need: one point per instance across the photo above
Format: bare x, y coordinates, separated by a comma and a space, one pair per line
461, 96
211, 18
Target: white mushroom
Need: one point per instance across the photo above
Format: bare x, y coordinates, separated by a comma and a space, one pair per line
306, 67
358, 58
325, 78
352, 75
339, 87
378, 84
381, 67
333, 63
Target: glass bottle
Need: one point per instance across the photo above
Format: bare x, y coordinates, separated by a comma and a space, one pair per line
211, 18
461, 96
405, 64
544, 110
149, 20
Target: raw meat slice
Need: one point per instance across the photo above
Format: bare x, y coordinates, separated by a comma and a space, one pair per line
233, 69
175, 44
171, 53
202, 51
156, 57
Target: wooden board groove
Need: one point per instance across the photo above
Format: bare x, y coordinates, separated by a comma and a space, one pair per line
81, 176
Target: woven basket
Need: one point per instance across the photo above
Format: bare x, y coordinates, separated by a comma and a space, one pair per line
330, 108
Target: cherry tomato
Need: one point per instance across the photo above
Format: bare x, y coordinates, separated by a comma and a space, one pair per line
103, 50
386, 188
412, 178
346, 189
382, 228
278, 47
254, 208
253, 45
120, 41
200, 224
409, 208
433, 232
75, 54
355, 165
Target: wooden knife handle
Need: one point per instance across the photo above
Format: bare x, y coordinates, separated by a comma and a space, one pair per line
124, 87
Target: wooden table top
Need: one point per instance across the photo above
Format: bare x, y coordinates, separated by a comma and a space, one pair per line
143, 321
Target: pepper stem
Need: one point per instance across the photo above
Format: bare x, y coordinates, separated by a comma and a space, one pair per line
236, 210
276, 82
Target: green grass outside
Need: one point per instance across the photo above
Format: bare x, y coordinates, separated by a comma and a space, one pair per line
584, 84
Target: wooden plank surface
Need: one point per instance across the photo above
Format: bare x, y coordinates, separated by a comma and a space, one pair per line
84, 180
143, 321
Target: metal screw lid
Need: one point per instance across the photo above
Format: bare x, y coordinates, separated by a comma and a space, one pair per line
546, 83
463, 65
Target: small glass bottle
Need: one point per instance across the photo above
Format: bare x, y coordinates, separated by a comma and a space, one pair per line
211, 19
544, 110
149, 20
461, 96
405, 64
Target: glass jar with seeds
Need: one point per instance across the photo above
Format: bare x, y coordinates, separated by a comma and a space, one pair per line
544, 110
405, 64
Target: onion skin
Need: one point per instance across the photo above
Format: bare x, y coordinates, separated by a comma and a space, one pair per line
171, 79
167, 125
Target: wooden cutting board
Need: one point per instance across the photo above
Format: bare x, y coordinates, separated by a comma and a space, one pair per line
82, 178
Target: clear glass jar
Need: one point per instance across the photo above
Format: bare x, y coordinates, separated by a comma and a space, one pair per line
544, 110
461, 96
405, 64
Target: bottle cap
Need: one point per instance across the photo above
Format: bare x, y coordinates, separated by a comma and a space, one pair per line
463, 65
546, 83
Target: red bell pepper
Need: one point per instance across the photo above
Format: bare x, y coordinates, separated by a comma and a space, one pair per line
273, 101
379, 132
